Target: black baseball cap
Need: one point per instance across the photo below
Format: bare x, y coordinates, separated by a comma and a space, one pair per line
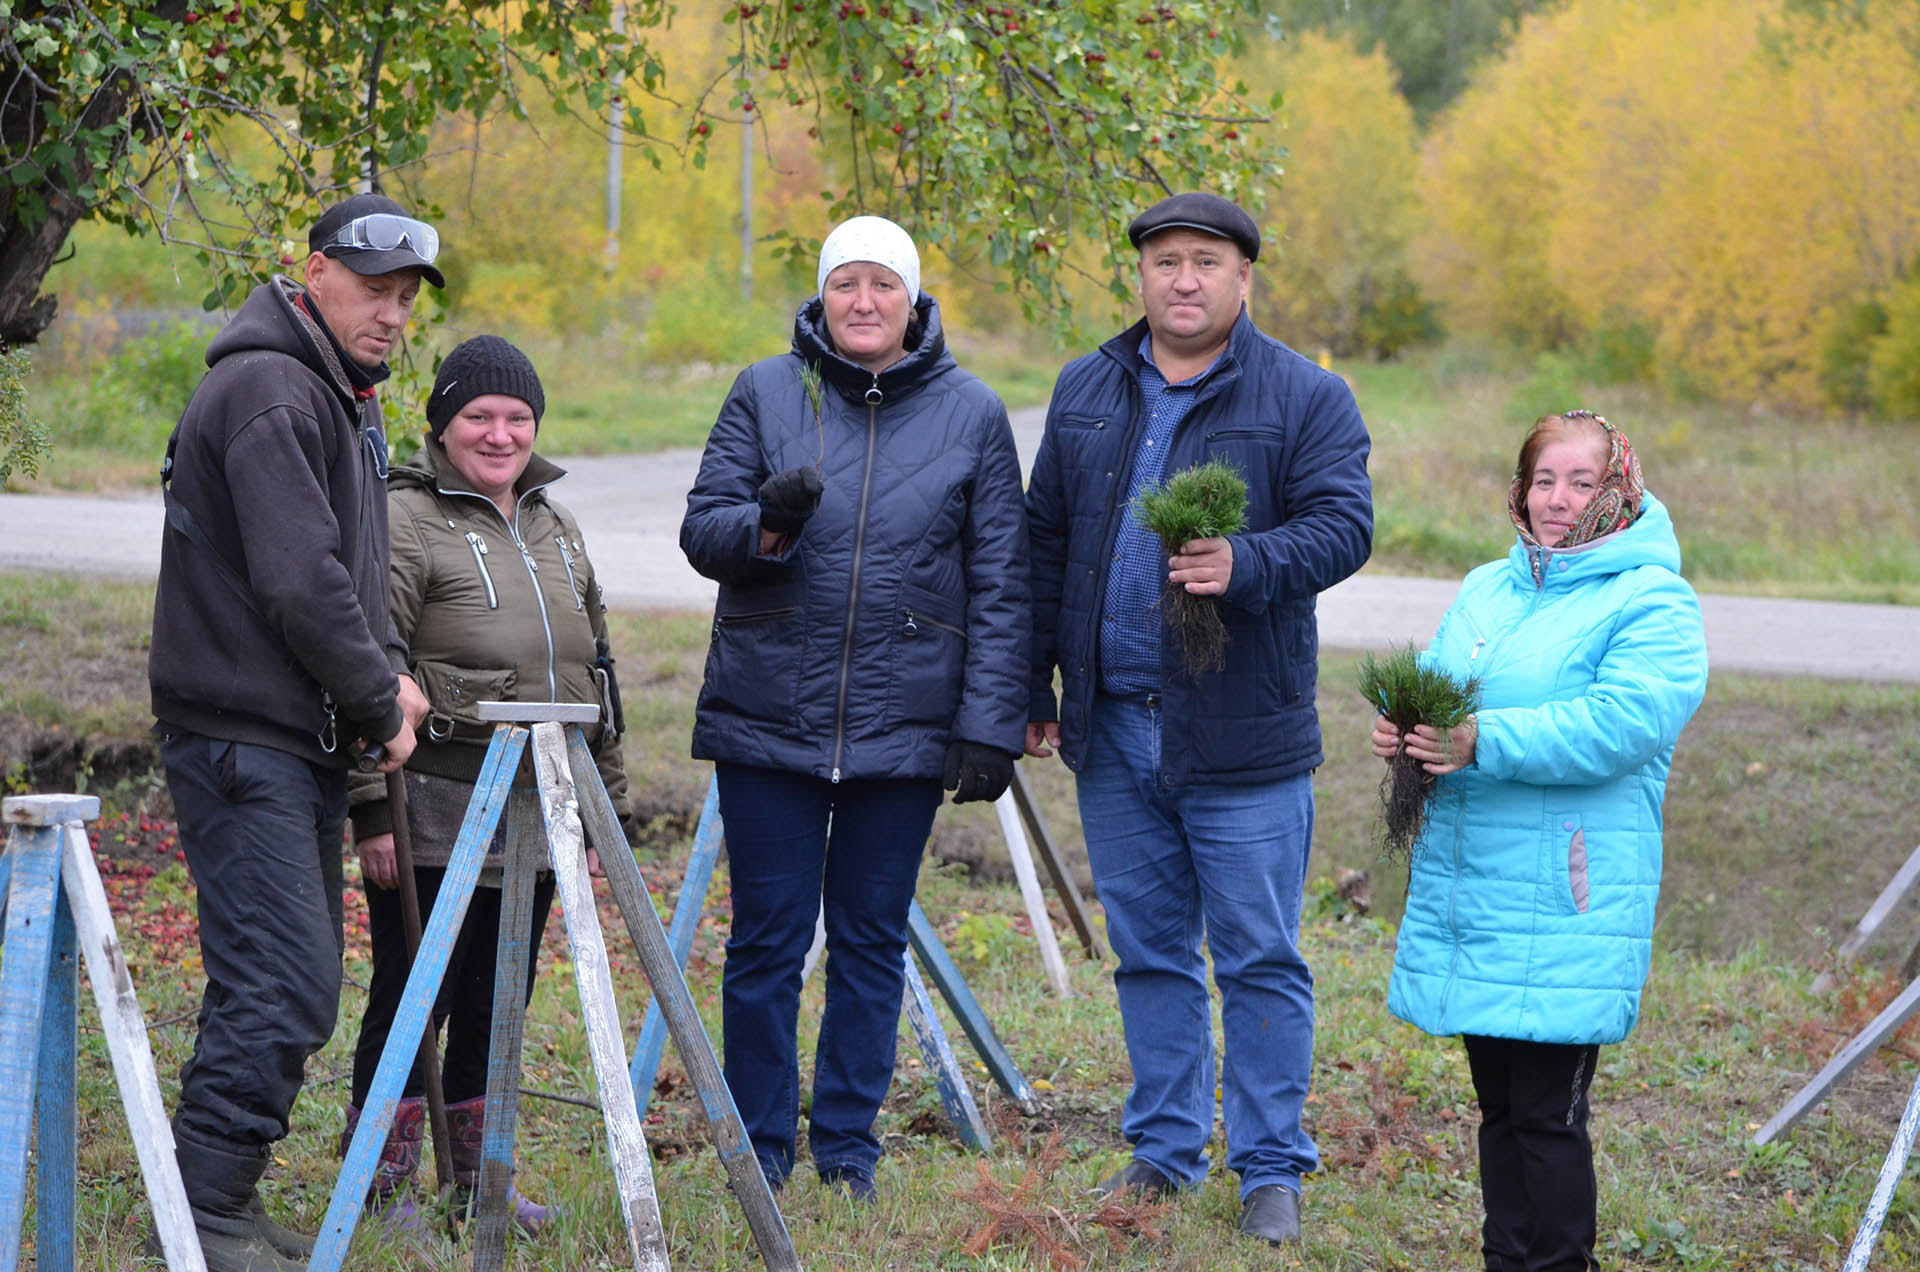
368, 260
1208, 213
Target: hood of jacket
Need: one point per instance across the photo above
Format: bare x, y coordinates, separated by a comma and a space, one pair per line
273, 320
1648, 541
926, 356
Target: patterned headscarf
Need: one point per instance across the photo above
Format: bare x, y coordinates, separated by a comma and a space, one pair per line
1613, 507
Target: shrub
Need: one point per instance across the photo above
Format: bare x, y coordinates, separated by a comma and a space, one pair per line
1846, 342
1893, 361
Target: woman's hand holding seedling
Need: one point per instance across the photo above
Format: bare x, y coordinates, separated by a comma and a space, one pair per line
1204, 566
1440, 751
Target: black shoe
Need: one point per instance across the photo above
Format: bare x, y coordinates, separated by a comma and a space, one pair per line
856, 1183
1271, 1213
229, 1243
285, 1241
1138, 1181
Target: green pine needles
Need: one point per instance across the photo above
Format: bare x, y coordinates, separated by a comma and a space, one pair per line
1407, 694
1207, 502
815, 391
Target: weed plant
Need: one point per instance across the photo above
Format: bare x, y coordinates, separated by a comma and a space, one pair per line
1206, 502
1409, 693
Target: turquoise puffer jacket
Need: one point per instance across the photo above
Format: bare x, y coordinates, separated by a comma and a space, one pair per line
1530, 907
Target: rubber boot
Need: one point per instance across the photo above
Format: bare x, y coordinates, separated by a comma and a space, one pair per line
390, 1196
466, 1128
220, 1182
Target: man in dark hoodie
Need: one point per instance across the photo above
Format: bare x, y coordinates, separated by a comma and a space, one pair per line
273, 663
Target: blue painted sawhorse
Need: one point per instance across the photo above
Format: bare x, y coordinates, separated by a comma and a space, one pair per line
56, 911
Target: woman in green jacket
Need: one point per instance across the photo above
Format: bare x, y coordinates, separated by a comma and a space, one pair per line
494, 595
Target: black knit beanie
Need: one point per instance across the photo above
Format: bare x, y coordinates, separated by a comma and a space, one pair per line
477, 367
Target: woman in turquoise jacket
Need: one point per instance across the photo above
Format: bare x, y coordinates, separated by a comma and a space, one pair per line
1530, 905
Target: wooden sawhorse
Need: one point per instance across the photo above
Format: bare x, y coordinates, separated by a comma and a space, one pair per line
569, 791
55, 904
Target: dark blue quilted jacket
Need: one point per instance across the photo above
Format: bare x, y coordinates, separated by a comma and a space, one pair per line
1293, 431
899, 618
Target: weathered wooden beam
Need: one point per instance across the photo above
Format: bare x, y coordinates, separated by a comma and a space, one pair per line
416, 1000
675, 1002
960, 1000
56, 1126
1048, 850
1850, 1057
537, 712
1871, 922
1895, 1165
1022, 857
948, 1077
125, 1029
686, 920
35, 850
513, 953
626, 1142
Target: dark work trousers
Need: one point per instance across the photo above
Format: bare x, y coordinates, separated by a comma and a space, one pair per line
262, 831
782, 868
465, 1002
1536, 1161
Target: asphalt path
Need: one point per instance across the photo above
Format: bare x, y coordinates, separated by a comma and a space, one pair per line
630, 508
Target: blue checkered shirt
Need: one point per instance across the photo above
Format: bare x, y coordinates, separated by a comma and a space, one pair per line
1130, 620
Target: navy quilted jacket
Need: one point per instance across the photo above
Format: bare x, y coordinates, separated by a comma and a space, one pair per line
1293, 431
898, 618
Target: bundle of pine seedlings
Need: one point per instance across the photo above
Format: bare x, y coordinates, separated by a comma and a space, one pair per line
1408, 693
1207, 502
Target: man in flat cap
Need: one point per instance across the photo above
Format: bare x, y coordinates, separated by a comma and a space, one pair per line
273, 664
1195, 789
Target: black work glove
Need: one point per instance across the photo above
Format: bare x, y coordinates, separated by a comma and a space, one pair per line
788, 499
977, 772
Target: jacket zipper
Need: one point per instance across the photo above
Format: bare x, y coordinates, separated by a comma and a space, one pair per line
533, 577
566, 559
853, 587
914, 619
533, 570
479, 547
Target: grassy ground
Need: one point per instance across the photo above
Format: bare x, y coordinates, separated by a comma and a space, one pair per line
1788, 809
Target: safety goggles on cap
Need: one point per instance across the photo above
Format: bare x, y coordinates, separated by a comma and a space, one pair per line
386, 231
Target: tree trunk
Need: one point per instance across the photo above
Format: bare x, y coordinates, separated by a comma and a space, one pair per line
35, 222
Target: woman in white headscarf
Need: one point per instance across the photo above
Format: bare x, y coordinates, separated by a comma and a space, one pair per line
859, 503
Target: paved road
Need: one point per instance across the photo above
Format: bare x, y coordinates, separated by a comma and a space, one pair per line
630, 506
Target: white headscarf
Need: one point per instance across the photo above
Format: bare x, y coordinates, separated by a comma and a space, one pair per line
874, 239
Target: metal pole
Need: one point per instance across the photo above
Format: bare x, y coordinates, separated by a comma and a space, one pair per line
1890, 1172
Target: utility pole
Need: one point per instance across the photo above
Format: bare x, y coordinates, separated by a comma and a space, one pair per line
746, 206
615, 135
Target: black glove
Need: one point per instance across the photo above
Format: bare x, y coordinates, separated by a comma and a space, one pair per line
977, 772
788, 499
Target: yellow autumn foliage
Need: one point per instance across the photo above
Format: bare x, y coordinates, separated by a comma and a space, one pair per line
1347, 206
1726, 174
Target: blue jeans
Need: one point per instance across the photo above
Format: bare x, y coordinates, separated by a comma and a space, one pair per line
1173, 864
783, 869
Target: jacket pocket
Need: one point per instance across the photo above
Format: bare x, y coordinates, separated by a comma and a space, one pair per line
454, 693
1575, 890
753, 662
929, 658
